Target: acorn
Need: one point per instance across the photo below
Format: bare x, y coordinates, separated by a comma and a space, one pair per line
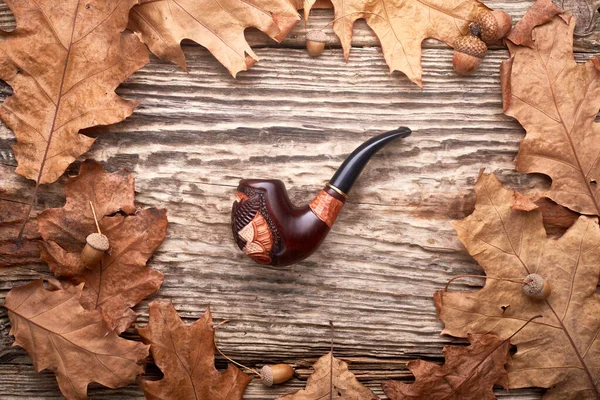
536, 287
468, 53
275, 374
494, 24
95, 246
315, 42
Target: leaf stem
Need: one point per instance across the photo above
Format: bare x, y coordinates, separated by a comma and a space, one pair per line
331, 365
52, 128
227, 358
520, 280
95, 218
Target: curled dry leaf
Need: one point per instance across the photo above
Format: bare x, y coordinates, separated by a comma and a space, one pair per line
469, 373
556, 100
331, 379
186, 356
561, 350
64, 61
217, 25
74, 343
401, 26
122, 279
541, 12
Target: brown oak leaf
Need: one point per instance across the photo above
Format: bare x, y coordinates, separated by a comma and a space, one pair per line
401, 26
468, 374
561, 350
122, 279
556, 100
64, 61
74, 343
331, 379
186, 356
217, 25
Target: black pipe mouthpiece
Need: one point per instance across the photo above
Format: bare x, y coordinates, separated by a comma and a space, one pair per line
351, 168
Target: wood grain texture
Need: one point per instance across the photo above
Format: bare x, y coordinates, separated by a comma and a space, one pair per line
295, 118
587, 12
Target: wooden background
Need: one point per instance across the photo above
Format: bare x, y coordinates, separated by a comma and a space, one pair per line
296, 118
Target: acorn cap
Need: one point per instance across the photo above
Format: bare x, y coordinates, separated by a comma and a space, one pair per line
97, 241
317, 36
266, 376
494, 24
470, 45
535, 286
488, 24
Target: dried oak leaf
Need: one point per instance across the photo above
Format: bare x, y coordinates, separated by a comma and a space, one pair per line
401, 26
468, 374
74, 343
331, 379
186, 356
122, 279
64, 61
556, 100
561, 350
217, 25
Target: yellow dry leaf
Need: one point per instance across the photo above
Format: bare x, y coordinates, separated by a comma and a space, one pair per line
217, 25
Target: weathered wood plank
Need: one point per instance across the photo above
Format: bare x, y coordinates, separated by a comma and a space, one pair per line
39, 386
587, 13
295, 118
196, 135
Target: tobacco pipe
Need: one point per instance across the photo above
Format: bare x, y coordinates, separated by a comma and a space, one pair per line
271, 230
